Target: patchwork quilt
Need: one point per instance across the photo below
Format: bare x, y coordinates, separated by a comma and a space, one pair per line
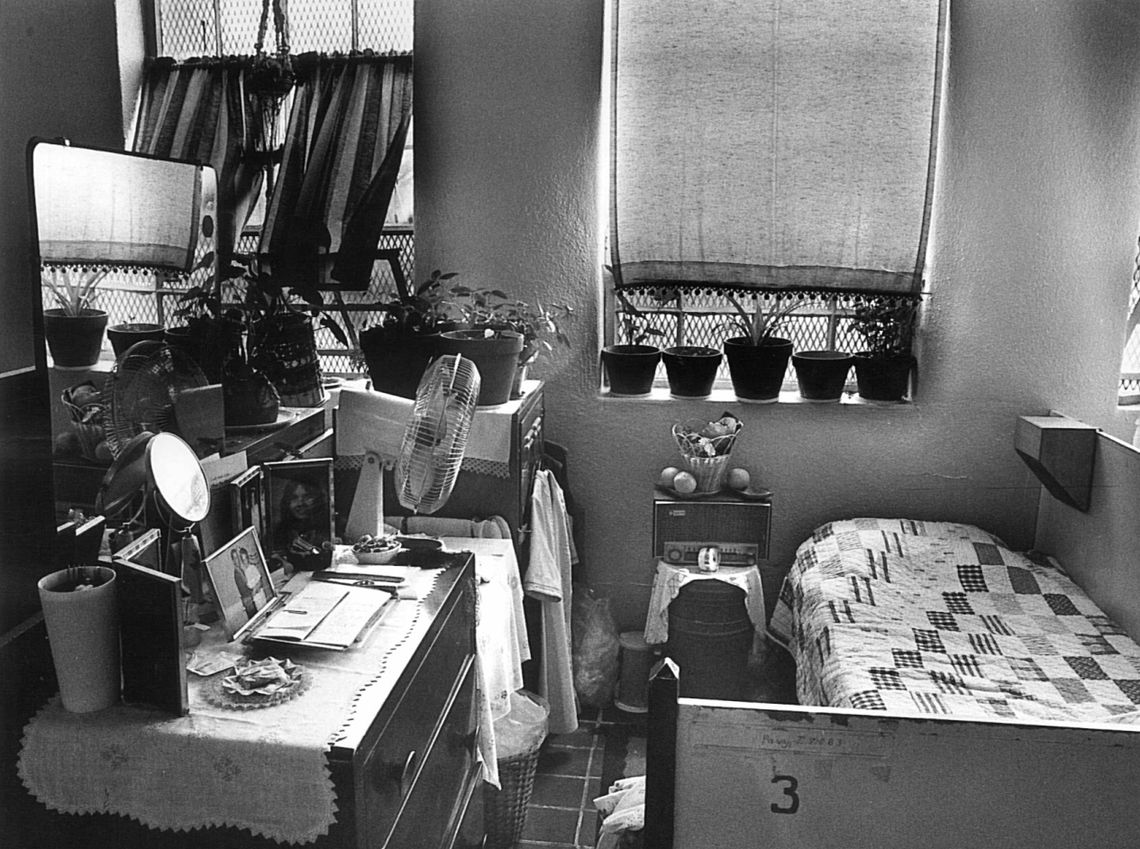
941, 618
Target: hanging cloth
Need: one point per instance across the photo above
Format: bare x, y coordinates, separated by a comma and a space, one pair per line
342, 153
548, 579
196, 111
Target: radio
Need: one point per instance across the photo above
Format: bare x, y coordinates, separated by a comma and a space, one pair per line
736, 527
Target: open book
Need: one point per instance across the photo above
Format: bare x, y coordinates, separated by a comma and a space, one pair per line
319, 615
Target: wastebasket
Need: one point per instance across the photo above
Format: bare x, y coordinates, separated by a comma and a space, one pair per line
519, 735
633, 684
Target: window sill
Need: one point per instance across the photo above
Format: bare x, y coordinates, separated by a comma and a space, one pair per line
790, 398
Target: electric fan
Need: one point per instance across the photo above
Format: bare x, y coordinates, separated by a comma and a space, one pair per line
426, 438
140, 391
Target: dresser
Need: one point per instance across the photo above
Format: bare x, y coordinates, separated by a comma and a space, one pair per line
403, 767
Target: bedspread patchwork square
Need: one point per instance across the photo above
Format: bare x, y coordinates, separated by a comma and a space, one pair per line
942, 620
957, 602
1062, 605
1022, 581
927, 640
972, 578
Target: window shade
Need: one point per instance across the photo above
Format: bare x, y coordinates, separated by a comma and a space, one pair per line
771, 145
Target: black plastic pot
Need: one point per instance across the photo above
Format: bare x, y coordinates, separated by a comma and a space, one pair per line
496, 357
821, 374
284, 348
757, 371
630, 369
122, 336
74, 340
883, 378
210, 342
396, 362
691, 370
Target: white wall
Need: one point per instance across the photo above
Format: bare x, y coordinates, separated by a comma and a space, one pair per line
1033, 246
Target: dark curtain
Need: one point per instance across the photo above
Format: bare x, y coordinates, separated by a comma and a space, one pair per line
342, 151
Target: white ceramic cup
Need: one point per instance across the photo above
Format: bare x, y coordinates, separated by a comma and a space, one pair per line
83, 629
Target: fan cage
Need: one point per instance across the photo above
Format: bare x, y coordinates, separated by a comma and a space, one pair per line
435, 439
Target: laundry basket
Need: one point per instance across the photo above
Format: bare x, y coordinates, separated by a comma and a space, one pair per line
518, 738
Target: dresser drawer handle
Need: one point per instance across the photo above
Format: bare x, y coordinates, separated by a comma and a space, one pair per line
407, 773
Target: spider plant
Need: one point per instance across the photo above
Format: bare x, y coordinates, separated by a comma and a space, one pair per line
759, 325
73, 287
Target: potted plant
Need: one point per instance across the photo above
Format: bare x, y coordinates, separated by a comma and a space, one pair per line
821, 375
631, 367
493, 311
212, 330
280, 332
127, 333
400, 345
757, 358
73, 329
691, 370
882, 371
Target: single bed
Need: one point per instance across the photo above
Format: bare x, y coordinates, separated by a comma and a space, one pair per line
952, 693
939, 618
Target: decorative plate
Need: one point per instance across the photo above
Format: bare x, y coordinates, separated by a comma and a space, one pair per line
218, 695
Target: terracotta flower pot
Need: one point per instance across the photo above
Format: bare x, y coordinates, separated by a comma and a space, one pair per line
630, 369
691, 370
821, 374
757, 371
74, 340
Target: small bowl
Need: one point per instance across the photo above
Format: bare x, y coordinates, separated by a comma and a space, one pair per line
378, 557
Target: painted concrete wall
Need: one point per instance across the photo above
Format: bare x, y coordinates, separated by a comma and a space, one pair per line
1032, 254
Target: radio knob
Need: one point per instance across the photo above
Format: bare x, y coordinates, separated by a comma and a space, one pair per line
673, 554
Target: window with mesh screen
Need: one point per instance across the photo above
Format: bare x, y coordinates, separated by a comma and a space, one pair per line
189, 29
767, 150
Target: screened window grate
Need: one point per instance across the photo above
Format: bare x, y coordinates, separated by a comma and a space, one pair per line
1129, 390
188, 28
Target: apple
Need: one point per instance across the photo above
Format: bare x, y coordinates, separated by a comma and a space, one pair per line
685, 483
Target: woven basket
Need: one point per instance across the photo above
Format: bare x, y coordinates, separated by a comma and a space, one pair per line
504, 811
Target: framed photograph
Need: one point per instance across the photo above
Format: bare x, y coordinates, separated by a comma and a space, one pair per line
144, 550
247, 501
299, 513
240, 580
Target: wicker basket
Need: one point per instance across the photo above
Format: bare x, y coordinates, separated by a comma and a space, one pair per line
504, 811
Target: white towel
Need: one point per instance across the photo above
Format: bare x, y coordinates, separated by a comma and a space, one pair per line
548, 579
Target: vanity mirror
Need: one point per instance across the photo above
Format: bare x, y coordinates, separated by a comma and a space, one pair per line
117, 237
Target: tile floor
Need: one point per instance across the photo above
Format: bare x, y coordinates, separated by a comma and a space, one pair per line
561, 812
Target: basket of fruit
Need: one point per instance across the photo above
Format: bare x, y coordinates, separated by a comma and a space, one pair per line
706, 447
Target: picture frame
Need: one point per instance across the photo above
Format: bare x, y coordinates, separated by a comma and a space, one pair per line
239, 578
247, 501
144, 550
300, 517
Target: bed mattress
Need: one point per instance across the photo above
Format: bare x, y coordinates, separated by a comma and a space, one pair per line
941, 618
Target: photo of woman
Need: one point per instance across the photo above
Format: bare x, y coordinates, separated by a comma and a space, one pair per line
301, 519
